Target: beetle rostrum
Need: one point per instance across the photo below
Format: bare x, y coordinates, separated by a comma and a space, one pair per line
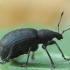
25, 40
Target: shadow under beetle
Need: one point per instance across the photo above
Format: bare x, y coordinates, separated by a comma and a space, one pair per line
23, 41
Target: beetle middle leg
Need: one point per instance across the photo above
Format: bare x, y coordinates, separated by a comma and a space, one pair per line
27, 58
34, 48
53, 42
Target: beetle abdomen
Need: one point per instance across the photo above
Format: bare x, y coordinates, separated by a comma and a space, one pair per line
23, 38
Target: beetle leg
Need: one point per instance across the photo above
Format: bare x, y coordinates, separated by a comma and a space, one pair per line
53, 42
44, 47
27, 58
32, 55
8, 57
34, 48
2, 62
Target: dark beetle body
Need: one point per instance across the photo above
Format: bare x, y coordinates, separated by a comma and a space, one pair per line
22, 39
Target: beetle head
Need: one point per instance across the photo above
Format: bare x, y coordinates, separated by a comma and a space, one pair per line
58, 36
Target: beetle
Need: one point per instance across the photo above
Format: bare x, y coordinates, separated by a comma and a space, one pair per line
25, 40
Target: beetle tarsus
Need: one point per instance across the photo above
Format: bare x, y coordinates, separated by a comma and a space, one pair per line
68, 59
24, 65
3, 62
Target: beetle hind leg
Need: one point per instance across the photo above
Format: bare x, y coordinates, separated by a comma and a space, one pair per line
8, 57
4, 61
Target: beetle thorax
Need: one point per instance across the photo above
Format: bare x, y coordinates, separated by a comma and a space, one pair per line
45, 35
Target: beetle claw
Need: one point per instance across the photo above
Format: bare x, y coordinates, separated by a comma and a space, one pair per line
53, 66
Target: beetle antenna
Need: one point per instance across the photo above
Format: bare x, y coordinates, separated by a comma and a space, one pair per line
65, 30
60, 20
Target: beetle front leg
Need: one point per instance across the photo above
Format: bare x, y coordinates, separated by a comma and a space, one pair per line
53, 42
44, 47
27, 58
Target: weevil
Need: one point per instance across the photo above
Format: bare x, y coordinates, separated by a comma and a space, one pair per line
25, 40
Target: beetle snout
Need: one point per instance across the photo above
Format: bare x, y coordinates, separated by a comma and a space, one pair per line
59, 37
